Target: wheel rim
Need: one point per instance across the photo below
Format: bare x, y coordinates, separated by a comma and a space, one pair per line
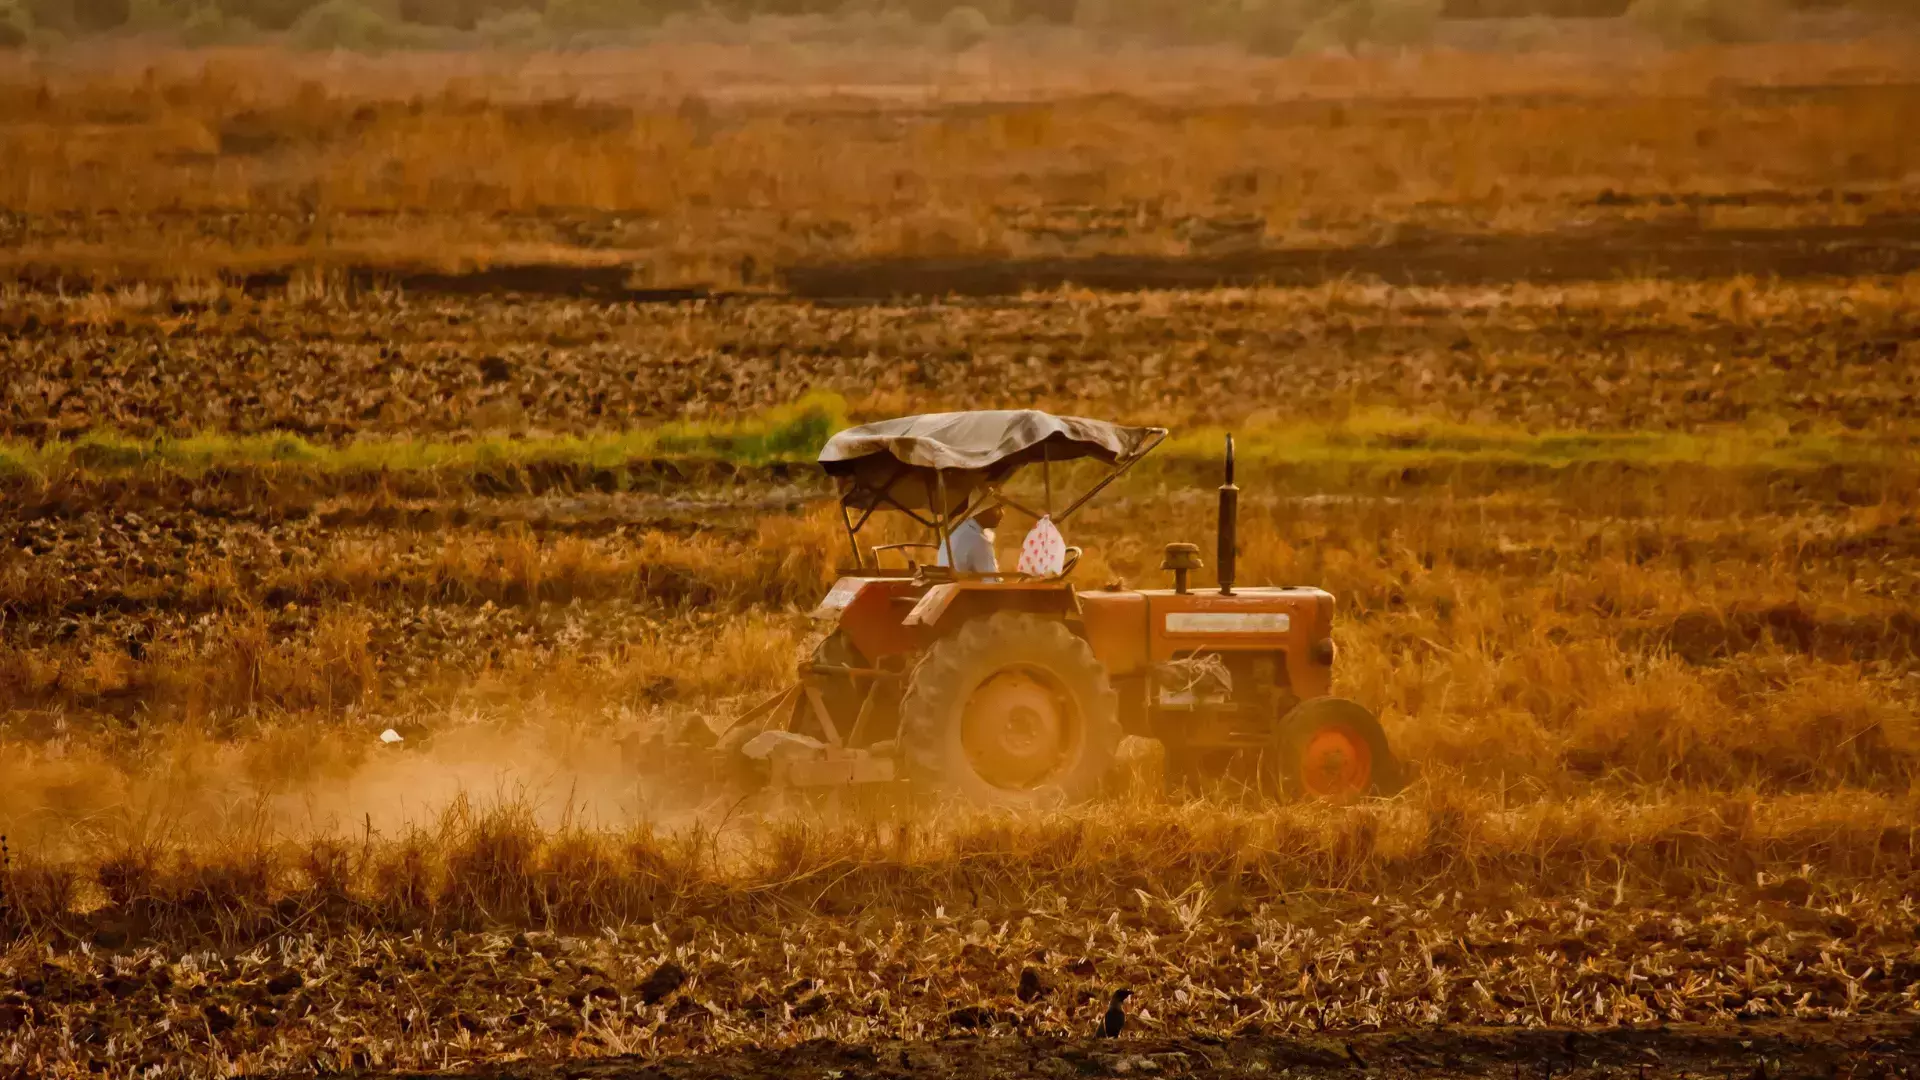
1018, 729
1336, 760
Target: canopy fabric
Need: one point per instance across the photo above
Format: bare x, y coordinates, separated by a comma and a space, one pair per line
991, 441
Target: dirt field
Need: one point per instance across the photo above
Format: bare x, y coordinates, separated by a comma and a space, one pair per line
339, 397
1882, 1050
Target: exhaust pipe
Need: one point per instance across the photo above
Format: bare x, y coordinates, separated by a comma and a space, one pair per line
1229, 525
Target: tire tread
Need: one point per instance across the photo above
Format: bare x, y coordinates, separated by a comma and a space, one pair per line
940, 677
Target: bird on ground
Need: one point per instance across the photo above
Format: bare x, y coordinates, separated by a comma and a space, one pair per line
1116, 1017
665, 979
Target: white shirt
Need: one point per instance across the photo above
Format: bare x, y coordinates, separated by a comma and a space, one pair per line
969, 549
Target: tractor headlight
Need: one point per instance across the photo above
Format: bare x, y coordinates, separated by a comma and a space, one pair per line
1321, 652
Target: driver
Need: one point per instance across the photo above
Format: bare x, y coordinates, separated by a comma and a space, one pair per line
969, 547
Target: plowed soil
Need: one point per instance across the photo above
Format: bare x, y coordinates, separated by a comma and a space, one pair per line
1678, 252
1640, 354
1881, 1051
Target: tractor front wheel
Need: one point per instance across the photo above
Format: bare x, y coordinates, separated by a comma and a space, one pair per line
1010, 710
1332, 748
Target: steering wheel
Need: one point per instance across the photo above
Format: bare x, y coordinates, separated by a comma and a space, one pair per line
878, 548
1073, 560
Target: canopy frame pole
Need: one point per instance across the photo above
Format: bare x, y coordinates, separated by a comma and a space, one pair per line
1046, 473
882, 493
887, 497
853, 538
1001, 498
940, 517
1157, 436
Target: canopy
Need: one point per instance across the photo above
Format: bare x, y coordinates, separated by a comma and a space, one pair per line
982, 440
901, 457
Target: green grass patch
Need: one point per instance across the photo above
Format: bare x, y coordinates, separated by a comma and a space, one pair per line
1394, 440
794, 434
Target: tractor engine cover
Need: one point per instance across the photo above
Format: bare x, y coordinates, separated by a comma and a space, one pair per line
1134, 631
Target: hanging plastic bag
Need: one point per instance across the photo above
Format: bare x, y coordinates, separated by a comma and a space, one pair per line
1044, 554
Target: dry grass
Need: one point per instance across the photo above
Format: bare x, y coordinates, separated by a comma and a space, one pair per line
1641, 636
253, 162
1305, 919
477, 866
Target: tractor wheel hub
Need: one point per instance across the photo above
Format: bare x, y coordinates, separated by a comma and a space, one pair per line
1015, 730
1335, 761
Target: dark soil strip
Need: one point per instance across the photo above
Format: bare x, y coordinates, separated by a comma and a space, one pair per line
283, 491
1807, 1049
1323, 110
1887, 246
605, 283
288, 491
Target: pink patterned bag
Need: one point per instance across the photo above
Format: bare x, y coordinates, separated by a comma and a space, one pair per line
1044, 553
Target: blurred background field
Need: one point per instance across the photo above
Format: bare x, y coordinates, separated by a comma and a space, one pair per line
760, 164
1268, 26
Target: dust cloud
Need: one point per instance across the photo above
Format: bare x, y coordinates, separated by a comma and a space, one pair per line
190, 788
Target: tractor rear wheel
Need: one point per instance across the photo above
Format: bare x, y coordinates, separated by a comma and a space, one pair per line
1332, 748
1010, 710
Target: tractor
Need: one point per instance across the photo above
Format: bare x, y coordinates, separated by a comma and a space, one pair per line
1014, 689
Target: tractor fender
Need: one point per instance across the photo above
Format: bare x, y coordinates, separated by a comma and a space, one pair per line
841, 596
1033, 596
933, 605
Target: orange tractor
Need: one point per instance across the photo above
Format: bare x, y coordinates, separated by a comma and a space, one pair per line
1015, 688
